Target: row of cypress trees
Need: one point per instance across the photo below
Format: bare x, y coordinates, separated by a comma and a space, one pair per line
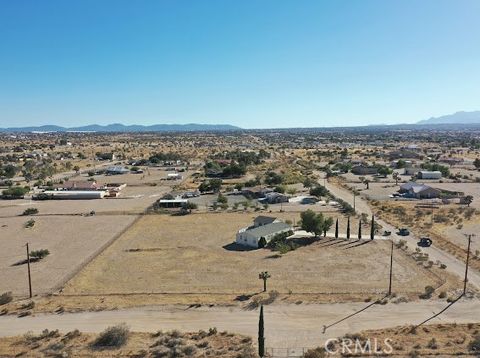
372, 229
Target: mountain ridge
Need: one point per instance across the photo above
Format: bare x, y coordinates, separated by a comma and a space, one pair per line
460, 117
118, 127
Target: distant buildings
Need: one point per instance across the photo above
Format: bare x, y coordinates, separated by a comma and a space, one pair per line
364, 170
174, 176
116, 170
429, 174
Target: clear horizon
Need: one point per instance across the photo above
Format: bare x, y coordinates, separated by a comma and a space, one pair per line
268, 64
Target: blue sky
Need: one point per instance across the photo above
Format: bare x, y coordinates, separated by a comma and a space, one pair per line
255, 64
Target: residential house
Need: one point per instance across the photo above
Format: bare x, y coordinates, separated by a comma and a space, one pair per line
364, 170
116, 170
274, 198
262, 232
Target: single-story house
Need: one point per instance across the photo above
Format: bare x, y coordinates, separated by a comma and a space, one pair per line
172, 203
116, 170
419, 191
77, 185
253, 236
429, 175
411, 170
364, 170
265, 220
70, 195
256, 192
274, 198
174, 176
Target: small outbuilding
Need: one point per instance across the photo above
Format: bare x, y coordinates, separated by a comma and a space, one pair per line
429, 174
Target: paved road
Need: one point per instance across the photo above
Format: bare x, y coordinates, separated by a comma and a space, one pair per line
454, 265
286, 325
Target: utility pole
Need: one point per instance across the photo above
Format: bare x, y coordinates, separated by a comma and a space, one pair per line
466, 266
29, 276
391, 271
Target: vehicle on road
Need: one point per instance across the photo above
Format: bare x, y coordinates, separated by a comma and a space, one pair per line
424, 242
387, 233
403, 232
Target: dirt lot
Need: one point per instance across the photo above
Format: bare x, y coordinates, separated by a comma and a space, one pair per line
191, 254
71, 240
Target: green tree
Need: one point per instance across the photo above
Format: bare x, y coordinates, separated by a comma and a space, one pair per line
348, 228
315, 223
468, 200
476, 163
319, 191
261, 334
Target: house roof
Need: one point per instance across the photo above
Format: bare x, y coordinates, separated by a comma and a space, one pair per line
410, 185
268, 229
264, 220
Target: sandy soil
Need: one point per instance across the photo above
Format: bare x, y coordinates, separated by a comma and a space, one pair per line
71, 240
190, 254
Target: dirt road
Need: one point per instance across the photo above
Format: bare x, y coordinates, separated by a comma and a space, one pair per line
286, 325
454, 265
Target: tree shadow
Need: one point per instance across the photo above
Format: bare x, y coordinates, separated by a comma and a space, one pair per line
233, 246
359, 244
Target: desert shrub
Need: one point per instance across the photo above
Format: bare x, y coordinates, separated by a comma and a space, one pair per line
318, 352
429, 290
474, 345
5, 298
30, 223
30, 211
112, 337
39, 254
432, 344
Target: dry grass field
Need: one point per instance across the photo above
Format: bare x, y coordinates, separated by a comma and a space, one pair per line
191, 255
71, 240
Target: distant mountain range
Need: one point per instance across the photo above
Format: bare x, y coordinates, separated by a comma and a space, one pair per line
455, 118
118, 127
